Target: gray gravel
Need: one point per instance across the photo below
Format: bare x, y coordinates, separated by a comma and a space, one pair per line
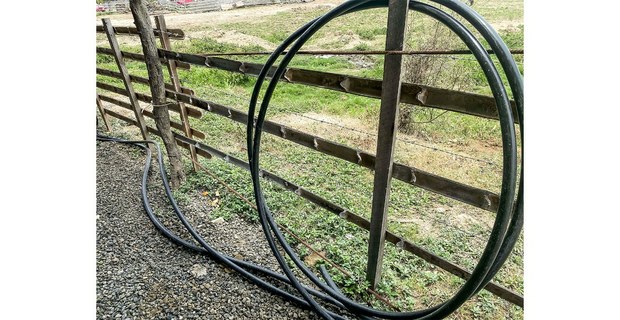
142, 275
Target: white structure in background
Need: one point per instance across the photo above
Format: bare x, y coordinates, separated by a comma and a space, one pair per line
217, 5
116, 6
190, 6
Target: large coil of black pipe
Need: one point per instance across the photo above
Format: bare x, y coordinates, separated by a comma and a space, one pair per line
509, 219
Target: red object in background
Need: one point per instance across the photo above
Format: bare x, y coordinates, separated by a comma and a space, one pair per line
182, 2
100, 8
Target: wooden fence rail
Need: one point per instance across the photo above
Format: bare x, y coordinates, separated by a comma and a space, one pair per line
426, 96
146, 98
164, 34
160, 23
473, 196
138, 79
132, 31
137, 57
120, 63
149, 114
129, 120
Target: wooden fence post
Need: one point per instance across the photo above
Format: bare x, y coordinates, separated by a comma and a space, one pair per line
390, 98
160, 24
109, 30
103, 114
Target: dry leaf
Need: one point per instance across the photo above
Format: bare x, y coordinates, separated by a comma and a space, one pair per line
313, 258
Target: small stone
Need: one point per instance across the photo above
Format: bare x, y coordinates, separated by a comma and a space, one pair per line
198, 271
218, 220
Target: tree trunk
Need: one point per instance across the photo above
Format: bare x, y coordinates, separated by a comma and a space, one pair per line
158, 91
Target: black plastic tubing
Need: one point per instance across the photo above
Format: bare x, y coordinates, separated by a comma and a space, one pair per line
509, 217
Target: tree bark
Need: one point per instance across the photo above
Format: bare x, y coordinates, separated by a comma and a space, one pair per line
158, 90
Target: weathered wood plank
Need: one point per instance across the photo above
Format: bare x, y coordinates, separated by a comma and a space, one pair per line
138, 79
149, 114
474, 196
107, 26
138, 57
103, 115
388, 115
146, 98
160, 23
425, 96
133, 31
152, 130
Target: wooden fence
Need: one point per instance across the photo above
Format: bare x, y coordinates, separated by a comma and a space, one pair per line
188, 105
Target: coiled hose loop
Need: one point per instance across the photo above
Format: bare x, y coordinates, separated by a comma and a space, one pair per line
508, 221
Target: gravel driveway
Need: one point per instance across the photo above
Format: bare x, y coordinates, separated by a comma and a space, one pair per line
142, 275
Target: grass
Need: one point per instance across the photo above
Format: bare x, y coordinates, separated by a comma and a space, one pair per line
443, 226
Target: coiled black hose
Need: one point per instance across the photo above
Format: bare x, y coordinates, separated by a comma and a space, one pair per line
204, 248
509, 219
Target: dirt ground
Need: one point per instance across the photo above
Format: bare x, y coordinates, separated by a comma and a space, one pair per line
206, 24
214, 18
